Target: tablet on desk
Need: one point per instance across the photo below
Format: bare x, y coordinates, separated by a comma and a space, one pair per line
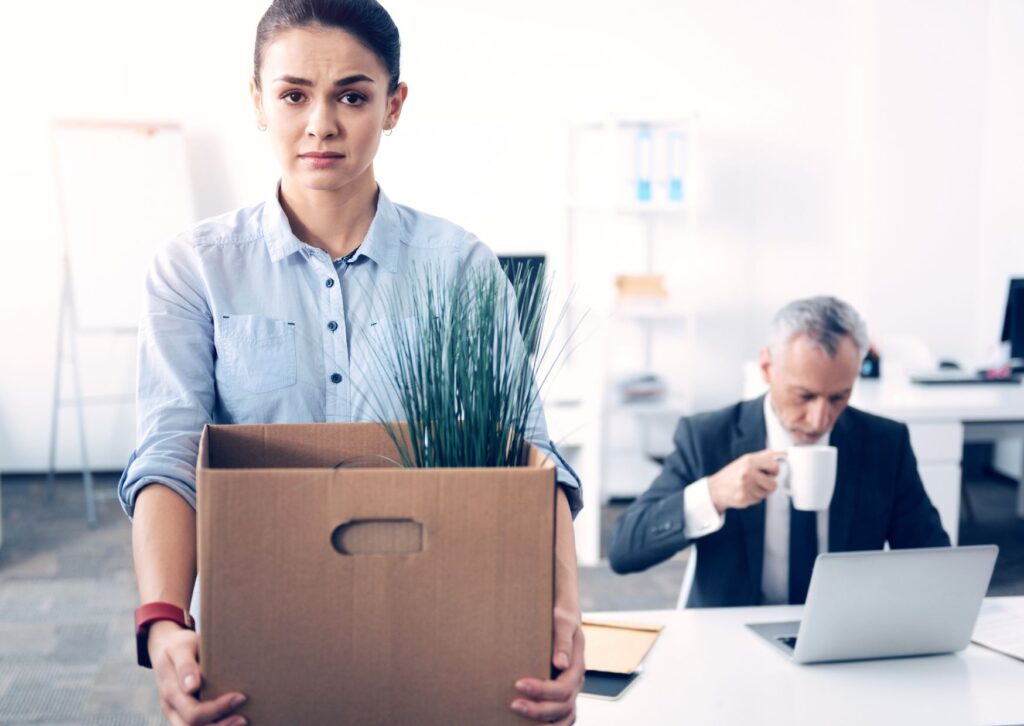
609, 686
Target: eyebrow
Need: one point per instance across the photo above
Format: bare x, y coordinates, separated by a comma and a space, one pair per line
347, 80
844, 392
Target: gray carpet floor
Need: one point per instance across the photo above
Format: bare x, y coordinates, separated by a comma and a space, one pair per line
67, 594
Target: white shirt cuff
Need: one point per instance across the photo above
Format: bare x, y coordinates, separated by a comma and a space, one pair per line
700, 518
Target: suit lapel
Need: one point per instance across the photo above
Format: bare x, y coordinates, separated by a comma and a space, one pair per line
840, 514
752, 436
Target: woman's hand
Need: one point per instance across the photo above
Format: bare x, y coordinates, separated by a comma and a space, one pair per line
554, 701
164, 545
174, 652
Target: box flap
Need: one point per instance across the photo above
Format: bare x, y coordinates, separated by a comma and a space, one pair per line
317, 445
300, 446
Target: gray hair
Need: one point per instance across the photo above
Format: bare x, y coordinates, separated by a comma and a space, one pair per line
825, 320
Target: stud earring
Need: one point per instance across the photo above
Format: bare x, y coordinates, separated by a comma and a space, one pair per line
388, 132
261, 127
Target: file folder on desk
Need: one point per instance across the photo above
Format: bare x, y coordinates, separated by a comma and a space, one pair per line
614, 652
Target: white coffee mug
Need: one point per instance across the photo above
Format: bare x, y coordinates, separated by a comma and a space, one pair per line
808, 475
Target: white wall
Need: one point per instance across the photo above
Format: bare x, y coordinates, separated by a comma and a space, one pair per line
868, 148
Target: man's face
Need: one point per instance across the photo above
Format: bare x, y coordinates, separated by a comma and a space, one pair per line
809, 388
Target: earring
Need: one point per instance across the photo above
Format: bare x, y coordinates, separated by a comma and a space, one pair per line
261, 127
388, 132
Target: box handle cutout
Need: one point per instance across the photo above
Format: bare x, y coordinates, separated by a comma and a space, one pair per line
378, 537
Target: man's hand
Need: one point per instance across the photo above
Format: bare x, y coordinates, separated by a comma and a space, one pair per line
554, 701
174, 653
745, 481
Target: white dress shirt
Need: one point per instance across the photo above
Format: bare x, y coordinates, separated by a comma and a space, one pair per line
701, 518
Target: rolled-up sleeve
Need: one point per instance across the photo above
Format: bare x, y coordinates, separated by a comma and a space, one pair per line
175, 393
565, 476
537, 435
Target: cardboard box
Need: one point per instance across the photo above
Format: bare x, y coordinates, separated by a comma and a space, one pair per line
337, 588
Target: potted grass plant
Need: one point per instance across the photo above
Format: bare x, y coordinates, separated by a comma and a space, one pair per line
465, 366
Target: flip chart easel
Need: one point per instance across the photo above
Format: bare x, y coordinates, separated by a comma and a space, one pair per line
123, 188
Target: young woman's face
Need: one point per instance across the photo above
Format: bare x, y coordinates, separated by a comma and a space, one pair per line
324, 99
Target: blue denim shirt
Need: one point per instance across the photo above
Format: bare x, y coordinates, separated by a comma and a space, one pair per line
245, 323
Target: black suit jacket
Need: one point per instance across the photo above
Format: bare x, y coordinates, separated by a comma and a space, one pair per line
878, 498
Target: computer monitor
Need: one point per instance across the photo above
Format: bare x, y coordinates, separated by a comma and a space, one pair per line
1013, 322
529, 271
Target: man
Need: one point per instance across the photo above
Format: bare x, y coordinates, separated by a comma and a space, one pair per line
719, 489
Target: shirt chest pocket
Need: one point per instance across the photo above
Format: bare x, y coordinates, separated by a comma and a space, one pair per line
255, 354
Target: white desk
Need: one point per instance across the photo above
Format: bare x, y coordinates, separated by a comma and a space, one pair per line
941, 419
707, 668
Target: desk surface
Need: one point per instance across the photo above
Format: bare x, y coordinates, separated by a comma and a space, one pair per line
707, 668
898, 398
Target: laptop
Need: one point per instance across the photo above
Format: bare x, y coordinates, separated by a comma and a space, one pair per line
887, 604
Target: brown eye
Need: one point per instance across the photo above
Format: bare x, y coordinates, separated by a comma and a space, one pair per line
352, 99
292, 97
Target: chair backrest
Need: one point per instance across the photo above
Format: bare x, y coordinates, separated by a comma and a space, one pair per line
691, 568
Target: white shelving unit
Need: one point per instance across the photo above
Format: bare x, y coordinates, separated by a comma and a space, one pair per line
611, 232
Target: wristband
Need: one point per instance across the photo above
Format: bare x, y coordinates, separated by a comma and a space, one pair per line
153, 612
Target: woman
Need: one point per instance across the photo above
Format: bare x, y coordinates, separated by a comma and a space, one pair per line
254, 316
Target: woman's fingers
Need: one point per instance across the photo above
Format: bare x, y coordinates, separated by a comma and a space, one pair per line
565, 627
567, 721
179, 679
202, 713
553, 701
544, 712
183, 653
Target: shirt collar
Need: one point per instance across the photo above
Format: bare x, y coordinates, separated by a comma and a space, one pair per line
779, 438
383, 237
277, 232
380, 243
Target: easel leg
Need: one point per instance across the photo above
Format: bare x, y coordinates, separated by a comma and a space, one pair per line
76, 381
57, 377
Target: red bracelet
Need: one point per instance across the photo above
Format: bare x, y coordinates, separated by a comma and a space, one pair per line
153, 612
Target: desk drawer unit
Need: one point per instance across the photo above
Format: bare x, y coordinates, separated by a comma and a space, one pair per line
939, 449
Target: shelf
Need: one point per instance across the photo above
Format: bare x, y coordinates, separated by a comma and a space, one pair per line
663, 208
634, 208
602, 210
662, 407
644, 314
629, 123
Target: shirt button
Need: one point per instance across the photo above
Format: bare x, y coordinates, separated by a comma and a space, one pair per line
330, 282
335, 378
332, 326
